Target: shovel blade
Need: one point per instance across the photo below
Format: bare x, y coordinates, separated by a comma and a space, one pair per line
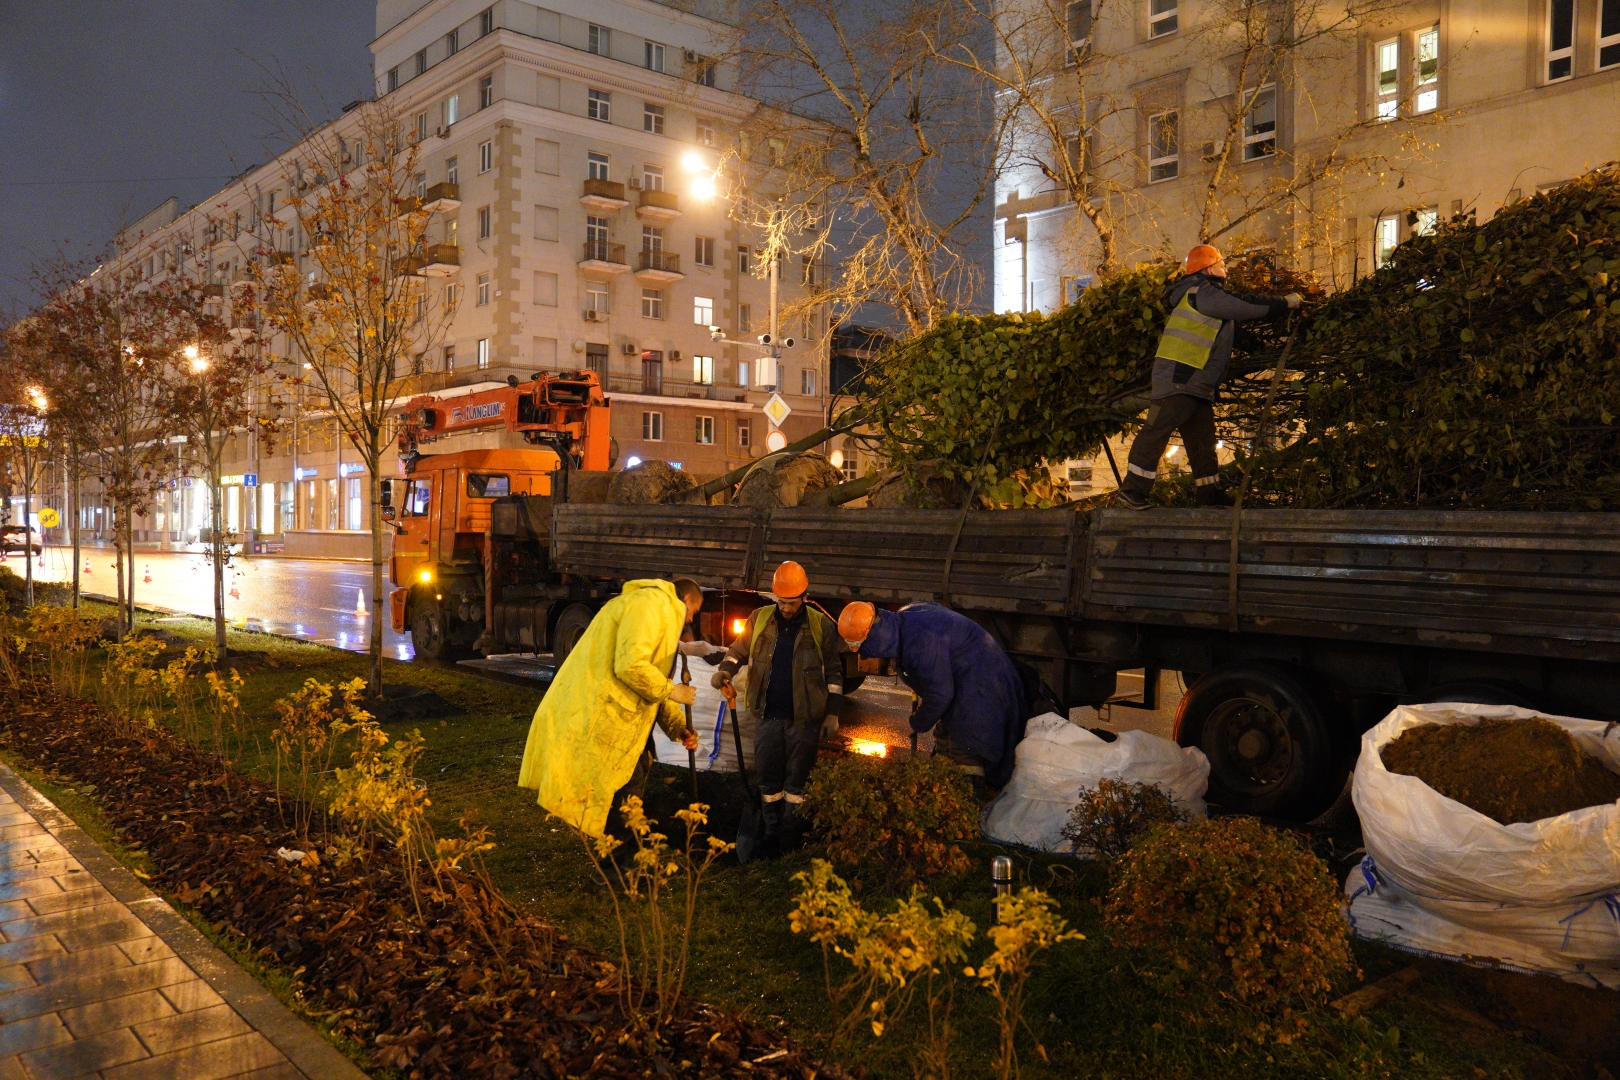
751, 832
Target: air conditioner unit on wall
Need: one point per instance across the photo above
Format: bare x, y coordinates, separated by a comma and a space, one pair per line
629, 349
592, 315
675, 355
635, 183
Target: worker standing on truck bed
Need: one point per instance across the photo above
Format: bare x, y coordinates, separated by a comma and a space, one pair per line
795, 684
1188, 370
589, 744
970, 694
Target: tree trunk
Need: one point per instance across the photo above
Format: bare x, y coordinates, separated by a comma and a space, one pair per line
118, 556
374, 689
28, 535
129, 542
78, 512
219, 550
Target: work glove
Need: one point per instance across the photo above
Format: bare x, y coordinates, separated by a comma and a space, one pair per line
829, 727
719, 680
715, 657
1294, 300
683, 695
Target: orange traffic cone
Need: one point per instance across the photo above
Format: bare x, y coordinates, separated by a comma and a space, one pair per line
147, 578
87, 569
360, 603
235, 595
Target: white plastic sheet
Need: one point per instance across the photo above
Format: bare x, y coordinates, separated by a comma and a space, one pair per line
1442, 879
1057, 759
713, 754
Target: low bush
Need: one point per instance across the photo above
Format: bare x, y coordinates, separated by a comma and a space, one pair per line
1111, 816
1233, 907
894, 821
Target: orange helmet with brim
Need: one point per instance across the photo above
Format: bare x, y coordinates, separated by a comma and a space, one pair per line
790, 581
1200, 258
855, 621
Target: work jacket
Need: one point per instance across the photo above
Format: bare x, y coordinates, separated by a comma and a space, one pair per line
1212, 302
594, 721
965, 682
817, 668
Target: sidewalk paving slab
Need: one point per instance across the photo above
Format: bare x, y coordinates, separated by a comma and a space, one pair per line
100, 977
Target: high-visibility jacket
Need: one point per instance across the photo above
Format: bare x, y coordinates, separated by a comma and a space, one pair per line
594, 721
818, 668
1188, 337
1196, 347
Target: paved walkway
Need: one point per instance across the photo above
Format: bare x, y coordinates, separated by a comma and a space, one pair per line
99, 977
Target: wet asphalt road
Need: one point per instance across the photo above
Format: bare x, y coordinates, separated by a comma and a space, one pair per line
310, 599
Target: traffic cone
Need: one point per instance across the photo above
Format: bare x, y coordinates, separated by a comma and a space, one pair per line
360, 603
235, 595
87, 570
147, 578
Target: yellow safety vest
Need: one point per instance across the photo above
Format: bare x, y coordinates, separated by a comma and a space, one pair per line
1188, 337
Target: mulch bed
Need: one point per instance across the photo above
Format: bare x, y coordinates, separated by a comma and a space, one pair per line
476, 989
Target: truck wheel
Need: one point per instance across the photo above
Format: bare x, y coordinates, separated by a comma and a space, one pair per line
438, 635
1269, 740
571, 626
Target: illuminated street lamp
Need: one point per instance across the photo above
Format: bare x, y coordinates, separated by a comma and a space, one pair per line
199, 363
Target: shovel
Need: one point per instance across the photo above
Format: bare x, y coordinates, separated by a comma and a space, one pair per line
691, 755
751, 831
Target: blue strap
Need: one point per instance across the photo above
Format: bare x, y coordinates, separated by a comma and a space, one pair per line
719, 729
1609, 902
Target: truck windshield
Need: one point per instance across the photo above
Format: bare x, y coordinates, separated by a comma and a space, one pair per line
418, 498
488, 486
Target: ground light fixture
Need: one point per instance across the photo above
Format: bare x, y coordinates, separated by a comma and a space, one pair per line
1001, 878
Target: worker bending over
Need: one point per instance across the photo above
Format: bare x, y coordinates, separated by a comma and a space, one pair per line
970, 695
1188, 370
795, 682
588, 747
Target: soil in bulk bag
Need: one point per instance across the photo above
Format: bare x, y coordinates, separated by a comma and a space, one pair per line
1441, 878
1057, 759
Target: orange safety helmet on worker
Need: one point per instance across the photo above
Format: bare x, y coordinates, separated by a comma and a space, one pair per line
793, 692
1188, 369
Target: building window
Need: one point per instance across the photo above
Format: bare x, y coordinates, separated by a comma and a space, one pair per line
703, 251
486, 91
421, 130
486, 22
851, 467
703, 71
452, 109
1260, 126
356, 501
705, 430
705, 132
1162, 17
596, 238
1388, 57
452, 43
486, 156
1164, 146
599, 107
1560, 40
745, 260
393, 79
1428, 71
742, 373
483, 353
596, 359
483, 292
421, 62
745, 429
599, 40
652, 426
1424, 220
807, 270
652, 177
702, 311
596, 165
1609, 34
421, 185
596, 297
1078, 17
449, 358
1386, 235
652, 118
745, 318
652, 303
807, 382
703, 370
653, 56
652, 371
483, 223
451, 170
652, 238
452, 293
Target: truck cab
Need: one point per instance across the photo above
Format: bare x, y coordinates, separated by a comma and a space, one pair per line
440, 513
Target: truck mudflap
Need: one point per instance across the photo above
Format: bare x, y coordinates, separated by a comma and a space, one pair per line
396, 609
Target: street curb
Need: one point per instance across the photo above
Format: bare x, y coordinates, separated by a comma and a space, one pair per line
311, 1054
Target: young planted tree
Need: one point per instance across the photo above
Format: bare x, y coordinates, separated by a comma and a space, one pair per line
338, 276
23, 427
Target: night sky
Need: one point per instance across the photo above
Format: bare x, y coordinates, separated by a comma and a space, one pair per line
108, 107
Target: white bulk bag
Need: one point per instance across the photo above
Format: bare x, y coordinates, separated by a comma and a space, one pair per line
1443, 879
1057, 759
713, 755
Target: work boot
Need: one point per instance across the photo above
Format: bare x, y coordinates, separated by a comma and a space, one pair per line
1131, 500
1211, 495
771, 845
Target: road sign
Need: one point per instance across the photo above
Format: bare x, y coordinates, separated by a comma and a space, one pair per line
777, 410
49, 518
250, 479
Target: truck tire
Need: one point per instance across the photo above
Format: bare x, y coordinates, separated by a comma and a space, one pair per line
571, 626
436, 634
1269, 738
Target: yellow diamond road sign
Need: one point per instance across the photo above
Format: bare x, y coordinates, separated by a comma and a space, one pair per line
776, 410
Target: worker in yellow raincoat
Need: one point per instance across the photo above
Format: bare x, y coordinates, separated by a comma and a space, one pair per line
591, 731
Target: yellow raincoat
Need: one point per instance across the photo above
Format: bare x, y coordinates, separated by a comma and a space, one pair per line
594, 720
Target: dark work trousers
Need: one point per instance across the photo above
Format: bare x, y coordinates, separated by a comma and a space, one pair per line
636, 785
968, 763
1195, 419
784, 751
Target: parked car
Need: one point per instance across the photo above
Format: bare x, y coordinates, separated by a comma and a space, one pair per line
13, 539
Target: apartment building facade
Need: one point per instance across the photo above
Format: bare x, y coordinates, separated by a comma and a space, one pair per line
563, 149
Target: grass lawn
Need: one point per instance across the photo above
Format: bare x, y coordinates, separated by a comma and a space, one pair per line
1086, 1006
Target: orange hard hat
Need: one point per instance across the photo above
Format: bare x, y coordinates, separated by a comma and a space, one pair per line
1200, 257
855, 621
789, 581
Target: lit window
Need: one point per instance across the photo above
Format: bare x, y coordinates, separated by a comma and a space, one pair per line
703, 251
1424, 220
596, 165
486, 91
599, 106
807, 382
483, 353
483, 292
486, 156
1161, 17
652, 177
742, 377
652, 426
599, 40
1386, 236
1260, 126
483, 223
1388, 54
652, 303
452, 109
652, 118
702, 311
1428, 71
1609, 34
705, 430
703, 370
1560, 39
1164, 146
653, 56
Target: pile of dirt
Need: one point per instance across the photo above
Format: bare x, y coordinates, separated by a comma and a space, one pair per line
785, 479
647, 483
1508, 770
922, 488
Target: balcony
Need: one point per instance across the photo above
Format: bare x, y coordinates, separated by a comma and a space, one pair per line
442, 198
601, 257
658, 266
658, 205
441, 260
603, 196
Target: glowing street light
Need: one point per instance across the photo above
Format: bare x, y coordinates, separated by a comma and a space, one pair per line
198, 363
37, 397
693, 162
703, 188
